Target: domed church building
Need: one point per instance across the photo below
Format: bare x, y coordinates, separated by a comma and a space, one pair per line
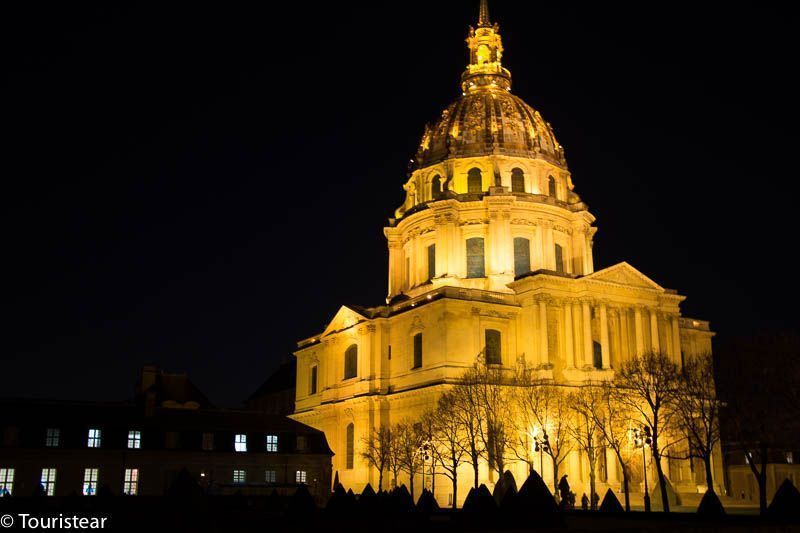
490, 256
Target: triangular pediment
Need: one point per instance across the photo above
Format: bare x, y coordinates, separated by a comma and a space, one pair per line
344, 318
624, 274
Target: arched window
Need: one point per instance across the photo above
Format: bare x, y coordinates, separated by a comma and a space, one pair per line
474, 180
517, 180
493, 356
475, 263
522, 256
350, 455
417, 351
436, 186
559, 251
551, 186
597, 354
351, 362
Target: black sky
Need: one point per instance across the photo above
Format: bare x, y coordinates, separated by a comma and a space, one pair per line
201, 186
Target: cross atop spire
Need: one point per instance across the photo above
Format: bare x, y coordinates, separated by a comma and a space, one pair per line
483, 16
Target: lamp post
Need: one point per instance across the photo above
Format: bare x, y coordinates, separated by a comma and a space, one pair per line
424, 451
642, 438
541, 444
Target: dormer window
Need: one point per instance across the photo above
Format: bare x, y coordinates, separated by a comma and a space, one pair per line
474, 181
517, 180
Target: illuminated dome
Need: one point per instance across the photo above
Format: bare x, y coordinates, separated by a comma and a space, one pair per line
487, 119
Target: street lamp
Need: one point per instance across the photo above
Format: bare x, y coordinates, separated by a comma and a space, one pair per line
425, 451
642, 438
541, 444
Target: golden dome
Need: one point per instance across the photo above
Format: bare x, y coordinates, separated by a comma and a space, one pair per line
487, 119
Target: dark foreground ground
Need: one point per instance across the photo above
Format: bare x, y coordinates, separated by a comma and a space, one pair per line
235, 514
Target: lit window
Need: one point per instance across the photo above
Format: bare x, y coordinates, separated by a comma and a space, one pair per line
522, 256
417, 351
240, 442
272, 476
431, 262
493, 355
131, 485
208, 441
475, 262
48, 481
271, 443
53, 437
559, 251
94, 438
350, 444
300, 476
474, 180
789, 458
313, 380
239, 476
90, 481
351, 362
134, 439
302, 442
517, 180
6, 481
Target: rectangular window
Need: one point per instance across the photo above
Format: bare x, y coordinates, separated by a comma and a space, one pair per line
208, 441
240, 442
134, 439
272, 476
313, 388
475, 262
239, 477
789, 458
90, 481
94, 438
53, 437
431, 261
6, 481
559, 251
417, 351
271, 443
300, 476
522, 256
493, 341
131, 484
48, 481
302, 443
408, 272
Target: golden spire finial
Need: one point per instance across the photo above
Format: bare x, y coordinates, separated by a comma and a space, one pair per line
483, 16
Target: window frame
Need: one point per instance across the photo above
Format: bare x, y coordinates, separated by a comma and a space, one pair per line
130, 482
517, 180
558, 253
487, 333
527, 255
416, 351
90, 481
301, 477
271, 443
351, 362
313, 387
474, 181
471, 272
239, 476
95, 438
240, 442
52, 438
7, 481
350, 446
134, 439
48, 481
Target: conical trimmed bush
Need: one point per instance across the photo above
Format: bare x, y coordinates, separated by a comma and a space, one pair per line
611, 503
786, 503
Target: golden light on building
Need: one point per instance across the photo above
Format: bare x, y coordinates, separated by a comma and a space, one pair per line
490, 256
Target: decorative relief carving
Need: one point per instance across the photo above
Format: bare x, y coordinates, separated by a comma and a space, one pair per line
474, 222
416, 324
523, 222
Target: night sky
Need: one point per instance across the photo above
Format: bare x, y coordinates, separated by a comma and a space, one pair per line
200, 187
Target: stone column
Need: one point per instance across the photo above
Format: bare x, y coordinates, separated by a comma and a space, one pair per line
604, 336
624, 336
676, 339
544, 357
611, 467
569, 349
637, 318
654, 343
577, 313
588, 348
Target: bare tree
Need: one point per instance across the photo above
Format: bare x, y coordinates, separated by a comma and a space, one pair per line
377, 451
587, 402
697, 409
394, 456
614, 420
449, 440
493, 394
409, 438
648, 386
468, 415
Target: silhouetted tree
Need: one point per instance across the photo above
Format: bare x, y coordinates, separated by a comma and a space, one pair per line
614, 422
449, 439
408, 438
377, 450
648, 384
587, 401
